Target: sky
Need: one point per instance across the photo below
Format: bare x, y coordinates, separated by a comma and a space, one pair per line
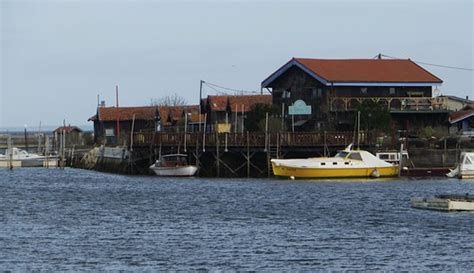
57, 56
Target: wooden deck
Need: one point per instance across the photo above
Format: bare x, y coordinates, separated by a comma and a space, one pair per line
251, 139
338, 104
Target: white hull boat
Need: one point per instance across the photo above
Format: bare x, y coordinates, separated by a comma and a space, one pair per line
175, 171
465, 169
20, 158
175, 165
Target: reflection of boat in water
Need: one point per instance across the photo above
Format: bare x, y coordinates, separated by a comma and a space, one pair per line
15, 157
346, 163
465, 168
173, 165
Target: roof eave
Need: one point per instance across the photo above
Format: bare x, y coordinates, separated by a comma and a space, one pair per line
285, 67
468, 115
368, 84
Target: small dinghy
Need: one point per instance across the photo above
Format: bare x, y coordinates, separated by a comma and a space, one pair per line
173, 165
445, 202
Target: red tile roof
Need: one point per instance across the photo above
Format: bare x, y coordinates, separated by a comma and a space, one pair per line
361, 71
461, 114
147, 113
219, 103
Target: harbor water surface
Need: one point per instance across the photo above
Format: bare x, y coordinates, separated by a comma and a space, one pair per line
83, 220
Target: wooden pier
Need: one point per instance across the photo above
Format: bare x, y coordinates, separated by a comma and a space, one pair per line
245, 154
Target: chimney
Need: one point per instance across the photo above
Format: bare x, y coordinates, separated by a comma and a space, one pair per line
102, 103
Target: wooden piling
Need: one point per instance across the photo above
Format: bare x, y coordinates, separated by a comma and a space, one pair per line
218, 155
248, 155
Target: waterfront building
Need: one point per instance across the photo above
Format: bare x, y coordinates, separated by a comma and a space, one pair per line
227, 113
454, 103
464, 120
324, 94
73, 135
113, 125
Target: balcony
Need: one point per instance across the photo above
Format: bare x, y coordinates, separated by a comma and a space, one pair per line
393, 104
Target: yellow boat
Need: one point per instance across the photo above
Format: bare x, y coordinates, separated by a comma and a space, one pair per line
346, 163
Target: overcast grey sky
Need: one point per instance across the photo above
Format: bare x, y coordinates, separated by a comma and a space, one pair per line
56, 56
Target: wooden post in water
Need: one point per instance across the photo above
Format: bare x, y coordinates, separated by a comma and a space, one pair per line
266, 131
72, 154
358, 130
10, 152
39, 138
185, 131
226, 130
248, 155
400, 166
204, 134
198, 162
242, 118
217, 156
46, 152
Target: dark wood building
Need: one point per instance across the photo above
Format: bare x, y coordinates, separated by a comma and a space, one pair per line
324, 94
113, 125
73, 135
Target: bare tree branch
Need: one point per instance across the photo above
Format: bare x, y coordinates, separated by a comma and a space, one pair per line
170, 100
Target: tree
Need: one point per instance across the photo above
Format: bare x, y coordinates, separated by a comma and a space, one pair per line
374, 116
170, 100
255, 117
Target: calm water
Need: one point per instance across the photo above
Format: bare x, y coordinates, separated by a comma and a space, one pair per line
83, 220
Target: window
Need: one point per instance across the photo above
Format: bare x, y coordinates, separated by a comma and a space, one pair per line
109, 132
346, 163
341, 154
355, 156
392, 90
334, 163
317, 93
363, 90
323, 163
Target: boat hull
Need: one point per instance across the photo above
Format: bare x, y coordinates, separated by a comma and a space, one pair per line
466, 174
365, 172
180, 171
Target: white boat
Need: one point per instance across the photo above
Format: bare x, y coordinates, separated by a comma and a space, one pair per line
15, 157
346, 163
393, 157
173, 165
465, 168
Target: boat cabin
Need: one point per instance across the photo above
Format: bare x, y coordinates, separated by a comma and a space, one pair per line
392, 157
173, 160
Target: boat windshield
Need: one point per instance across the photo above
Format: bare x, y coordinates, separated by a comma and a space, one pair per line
171, 161
341, 154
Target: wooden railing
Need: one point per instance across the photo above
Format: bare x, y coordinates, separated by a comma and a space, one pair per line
252, 139
392, 103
